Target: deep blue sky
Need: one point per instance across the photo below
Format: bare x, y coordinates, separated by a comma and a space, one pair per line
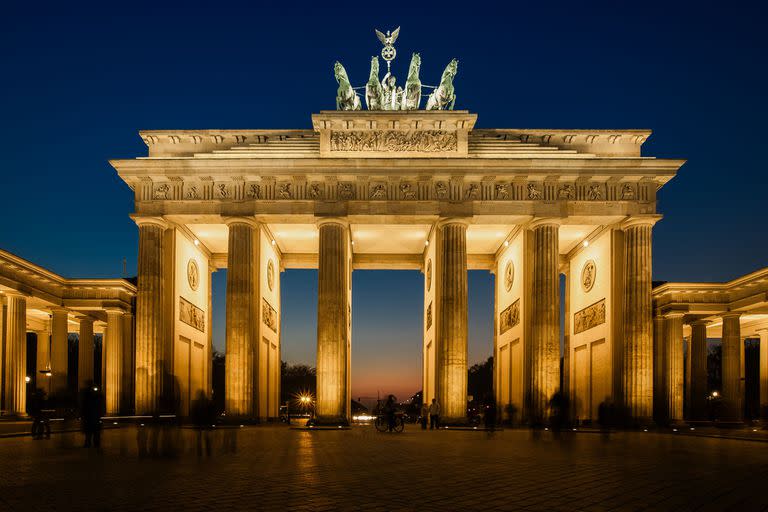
78, 82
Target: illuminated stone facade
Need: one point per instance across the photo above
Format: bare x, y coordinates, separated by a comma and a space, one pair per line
393, 190
414, 190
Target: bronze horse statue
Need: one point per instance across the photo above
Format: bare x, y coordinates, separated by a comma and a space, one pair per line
444, 96
374, 93
346, 98
412, 93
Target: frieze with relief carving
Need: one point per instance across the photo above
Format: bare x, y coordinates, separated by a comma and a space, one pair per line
420, 141
510, 317
437, 190
268, 315
589, 317
191, 314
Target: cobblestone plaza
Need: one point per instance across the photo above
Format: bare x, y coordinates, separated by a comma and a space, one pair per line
272, 467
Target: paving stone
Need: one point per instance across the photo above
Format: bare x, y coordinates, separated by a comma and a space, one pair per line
274, 468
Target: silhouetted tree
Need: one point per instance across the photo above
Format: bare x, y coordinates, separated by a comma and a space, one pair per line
714, 368
480, 380
218, 381
296, 379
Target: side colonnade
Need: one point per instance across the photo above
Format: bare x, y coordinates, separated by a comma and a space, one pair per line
36, 301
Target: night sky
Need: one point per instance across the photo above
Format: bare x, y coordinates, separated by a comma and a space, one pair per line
77, 83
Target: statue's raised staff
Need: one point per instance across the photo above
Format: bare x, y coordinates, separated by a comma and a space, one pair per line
412, 93
346, 98
444, 96
374, 93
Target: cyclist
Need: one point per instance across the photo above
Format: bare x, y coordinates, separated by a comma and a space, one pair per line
389, 410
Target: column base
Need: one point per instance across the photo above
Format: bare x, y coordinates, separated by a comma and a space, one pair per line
454, 422
329, 421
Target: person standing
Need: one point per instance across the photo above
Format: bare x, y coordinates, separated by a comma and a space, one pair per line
424, 416
434, 414
90, 415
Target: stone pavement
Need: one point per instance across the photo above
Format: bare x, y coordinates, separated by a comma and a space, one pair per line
274, 468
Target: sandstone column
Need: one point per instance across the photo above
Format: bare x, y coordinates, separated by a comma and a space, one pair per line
731, 367
16, 355
332, 310
545, 317
113, 349
763, 373
59, 351
660, 410
673, 334
637, 368
451, 316
43, 359
129, 365
85, 353
565, 385
698, 381
242, 315
151, 321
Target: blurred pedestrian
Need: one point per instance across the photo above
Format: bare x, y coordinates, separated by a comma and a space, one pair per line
41, 426
90, 415
424, 416
434, 415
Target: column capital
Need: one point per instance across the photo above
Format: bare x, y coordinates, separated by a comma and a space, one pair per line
59, 310
639, 220
114, 311
250, 221
730, 314
699, 321
673, 315
544, 221
151, 221
332, 220
13, 293
445, 221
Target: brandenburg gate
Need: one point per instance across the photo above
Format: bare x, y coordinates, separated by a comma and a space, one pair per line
399, 190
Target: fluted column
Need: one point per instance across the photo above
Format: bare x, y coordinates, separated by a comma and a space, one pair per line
451, 313
545, 316
59, 350
241, 316
332, 310
637, 368
113, 349
673, 334
151, 321
85, 353
660, 410
698, 380
129, 365
43, 359
16, 355
731, 367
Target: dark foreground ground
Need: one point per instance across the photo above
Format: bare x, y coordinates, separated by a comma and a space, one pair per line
274, 468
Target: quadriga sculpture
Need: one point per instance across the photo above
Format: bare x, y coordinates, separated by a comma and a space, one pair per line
444, 96
412, 93
374, 93
346, 99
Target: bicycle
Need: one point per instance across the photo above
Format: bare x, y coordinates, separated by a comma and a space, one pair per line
382, 423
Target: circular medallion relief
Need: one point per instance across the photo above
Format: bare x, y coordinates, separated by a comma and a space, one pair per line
509, 276
588, 275
270, 275
193, 274
429, 275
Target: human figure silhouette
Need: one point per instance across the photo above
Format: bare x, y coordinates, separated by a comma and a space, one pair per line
90, 415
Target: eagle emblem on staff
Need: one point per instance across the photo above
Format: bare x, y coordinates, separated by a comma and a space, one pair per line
388, 53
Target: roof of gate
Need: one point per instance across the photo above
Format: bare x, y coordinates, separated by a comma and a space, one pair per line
481, 144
